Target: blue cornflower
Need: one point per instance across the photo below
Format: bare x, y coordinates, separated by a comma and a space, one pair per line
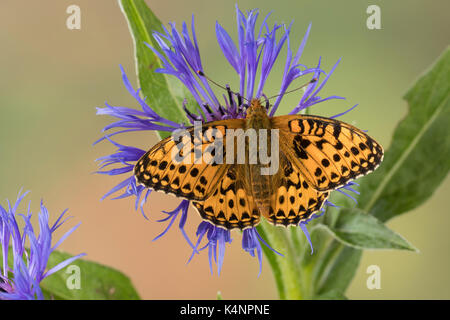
253, 57
21, 282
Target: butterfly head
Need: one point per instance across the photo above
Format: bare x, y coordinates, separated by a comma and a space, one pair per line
256, 107
257, 115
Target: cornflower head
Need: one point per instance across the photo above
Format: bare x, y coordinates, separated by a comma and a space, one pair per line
29, 266
252, 58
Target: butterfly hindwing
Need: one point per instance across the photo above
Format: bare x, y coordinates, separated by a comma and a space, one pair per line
329, 153
171, 165
231, 205
294, 199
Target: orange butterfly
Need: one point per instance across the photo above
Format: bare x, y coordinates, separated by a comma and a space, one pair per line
316, 156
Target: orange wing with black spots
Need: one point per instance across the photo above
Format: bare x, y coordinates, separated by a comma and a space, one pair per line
316, 156
294, 199
232, 204
172, 166
329, 153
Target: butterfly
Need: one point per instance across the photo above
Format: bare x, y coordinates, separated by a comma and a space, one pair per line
316, 155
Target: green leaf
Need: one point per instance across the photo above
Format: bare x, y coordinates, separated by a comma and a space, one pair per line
358, 229
97, 282
414, 166
164, 93
419, 156
332, 213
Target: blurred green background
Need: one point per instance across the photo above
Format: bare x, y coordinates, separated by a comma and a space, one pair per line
52, 79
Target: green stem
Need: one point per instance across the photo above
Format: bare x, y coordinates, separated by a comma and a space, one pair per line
289, 270
296, 240
307, 281
299, 246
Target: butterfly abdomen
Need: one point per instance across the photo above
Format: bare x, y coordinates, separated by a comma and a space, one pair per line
261, 188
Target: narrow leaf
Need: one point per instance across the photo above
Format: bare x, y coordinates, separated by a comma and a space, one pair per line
163, 93
419, 156
358, 229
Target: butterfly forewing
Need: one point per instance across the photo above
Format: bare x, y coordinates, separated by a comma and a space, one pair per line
329, 153
172, 166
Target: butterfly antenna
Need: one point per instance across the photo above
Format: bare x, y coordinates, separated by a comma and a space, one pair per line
301, 87
202, 74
